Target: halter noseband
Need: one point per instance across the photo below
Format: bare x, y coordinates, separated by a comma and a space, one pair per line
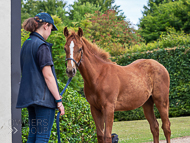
77, 64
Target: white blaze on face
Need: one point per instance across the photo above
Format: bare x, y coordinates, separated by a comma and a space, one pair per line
71, 52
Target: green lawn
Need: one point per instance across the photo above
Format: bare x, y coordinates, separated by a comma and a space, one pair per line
139, 131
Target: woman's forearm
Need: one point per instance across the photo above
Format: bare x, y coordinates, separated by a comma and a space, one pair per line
50, 81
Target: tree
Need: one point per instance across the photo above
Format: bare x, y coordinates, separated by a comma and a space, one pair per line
171, 14
152, 4
76, 14
28, 9
105, 5
109, 32
54, 7
51, 6
76, 11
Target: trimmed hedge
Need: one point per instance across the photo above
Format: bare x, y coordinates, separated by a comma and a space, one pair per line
177, 62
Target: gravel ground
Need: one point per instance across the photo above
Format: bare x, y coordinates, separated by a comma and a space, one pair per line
177, 140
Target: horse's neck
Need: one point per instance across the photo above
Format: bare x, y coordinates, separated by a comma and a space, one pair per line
90, 67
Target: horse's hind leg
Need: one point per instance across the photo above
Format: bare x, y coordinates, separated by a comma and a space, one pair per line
149, 114
160, 96
162, 104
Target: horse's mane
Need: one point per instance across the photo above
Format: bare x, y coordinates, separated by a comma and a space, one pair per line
97, 51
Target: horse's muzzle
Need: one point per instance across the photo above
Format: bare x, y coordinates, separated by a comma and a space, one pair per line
71, 72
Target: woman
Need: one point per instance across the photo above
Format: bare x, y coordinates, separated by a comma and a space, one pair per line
38, 88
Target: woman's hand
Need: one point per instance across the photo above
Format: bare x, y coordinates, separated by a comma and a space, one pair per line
61, 108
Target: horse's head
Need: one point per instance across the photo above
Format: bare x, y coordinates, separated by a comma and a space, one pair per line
73, 50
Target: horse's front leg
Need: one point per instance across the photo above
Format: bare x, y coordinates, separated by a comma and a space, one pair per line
108, 112
99, 121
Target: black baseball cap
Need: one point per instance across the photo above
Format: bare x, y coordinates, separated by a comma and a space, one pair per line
45, 17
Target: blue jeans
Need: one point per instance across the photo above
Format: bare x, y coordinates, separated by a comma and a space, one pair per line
40, 123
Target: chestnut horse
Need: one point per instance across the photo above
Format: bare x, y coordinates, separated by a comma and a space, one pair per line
109, 87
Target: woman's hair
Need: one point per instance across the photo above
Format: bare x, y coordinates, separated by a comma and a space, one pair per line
32, 24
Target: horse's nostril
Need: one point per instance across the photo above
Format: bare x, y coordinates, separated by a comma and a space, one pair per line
67, 71
73, 71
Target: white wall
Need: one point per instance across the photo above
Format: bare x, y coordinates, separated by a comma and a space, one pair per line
5, 71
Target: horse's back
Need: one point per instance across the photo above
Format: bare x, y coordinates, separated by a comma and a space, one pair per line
152, 67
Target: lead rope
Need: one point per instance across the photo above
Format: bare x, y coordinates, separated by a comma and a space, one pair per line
58, 114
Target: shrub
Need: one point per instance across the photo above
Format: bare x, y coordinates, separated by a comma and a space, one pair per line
169, 40
109, 32
77, 125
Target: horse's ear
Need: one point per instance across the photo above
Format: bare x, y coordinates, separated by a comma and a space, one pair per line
66, 32
80, 32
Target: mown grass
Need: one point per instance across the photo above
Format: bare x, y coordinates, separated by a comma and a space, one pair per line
139, 131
